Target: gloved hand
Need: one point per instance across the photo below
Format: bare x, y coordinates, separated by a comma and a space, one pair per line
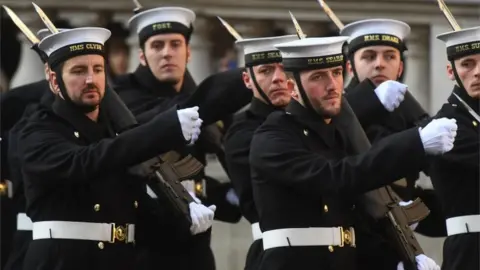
423, 263
414, 225
190, 123
232, 197
391, 94
438, 136
202, 217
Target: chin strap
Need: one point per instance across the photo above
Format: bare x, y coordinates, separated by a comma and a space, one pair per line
260, 90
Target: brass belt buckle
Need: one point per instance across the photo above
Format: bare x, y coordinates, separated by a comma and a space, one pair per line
347, 237
119, 233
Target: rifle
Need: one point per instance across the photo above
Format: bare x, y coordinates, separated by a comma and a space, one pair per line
383, 204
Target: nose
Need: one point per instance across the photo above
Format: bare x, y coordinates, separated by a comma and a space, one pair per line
379, 62
167, 50
279, 75
477, 70
89, 78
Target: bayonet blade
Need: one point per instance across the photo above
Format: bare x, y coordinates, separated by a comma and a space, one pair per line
230, 29
299, 30
449, 15
25, 30
331, 14
45, 19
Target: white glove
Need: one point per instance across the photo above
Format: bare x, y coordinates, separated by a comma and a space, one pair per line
414, 225
423, 263
232, 197
391, 94
438, 136
190, 123
202, 217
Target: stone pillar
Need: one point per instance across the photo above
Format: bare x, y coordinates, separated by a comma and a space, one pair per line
200, 64
417, 67
441, 85
30, 69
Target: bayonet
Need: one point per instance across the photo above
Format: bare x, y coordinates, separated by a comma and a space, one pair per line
45, 19
230, 29
449, 15
298, 29
331, 14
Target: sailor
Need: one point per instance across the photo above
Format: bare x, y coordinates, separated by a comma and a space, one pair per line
265, 76
455, 175
305, 183
87, 209
161, 81
382, 103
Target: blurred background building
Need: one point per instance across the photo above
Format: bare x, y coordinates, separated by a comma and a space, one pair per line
213, 50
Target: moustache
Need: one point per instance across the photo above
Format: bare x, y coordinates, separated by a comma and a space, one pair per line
91, 89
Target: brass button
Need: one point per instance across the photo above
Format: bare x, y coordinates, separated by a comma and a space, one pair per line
474, 123
135, 203
76, 134
330, 248
96, 207
325, 208
305, 132
353, 207
101, 245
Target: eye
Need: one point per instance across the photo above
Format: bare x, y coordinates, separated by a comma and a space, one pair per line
368, 57
467, 64
390, 57
337, 73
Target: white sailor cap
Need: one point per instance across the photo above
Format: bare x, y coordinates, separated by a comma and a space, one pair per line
78, 41
162, 20
312, 53
260, 51
43, 33
461, 43
373, 32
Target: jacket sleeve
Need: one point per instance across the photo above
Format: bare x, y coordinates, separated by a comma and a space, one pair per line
365, 103
50, 155
277, 155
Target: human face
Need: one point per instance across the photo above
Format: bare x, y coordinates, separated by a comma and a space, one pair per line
377, 63
468, 69
167, 56
273, 82
324, 88
84, 79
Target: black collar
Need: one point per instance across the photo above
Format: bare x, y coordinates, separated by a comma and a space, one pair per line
462, 93
314, 122
260, 108
93, 131
150, 83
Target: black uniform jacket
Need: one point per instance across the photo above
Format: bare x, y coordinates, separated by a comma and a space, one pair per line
237, 151
76, 170
303, 177
456, 178
12, 106
22, 238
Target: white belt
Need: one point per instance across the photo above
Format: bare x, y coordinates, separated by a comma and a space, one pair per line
107, 232
24, 223
463, 224
335, 236
256, 232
